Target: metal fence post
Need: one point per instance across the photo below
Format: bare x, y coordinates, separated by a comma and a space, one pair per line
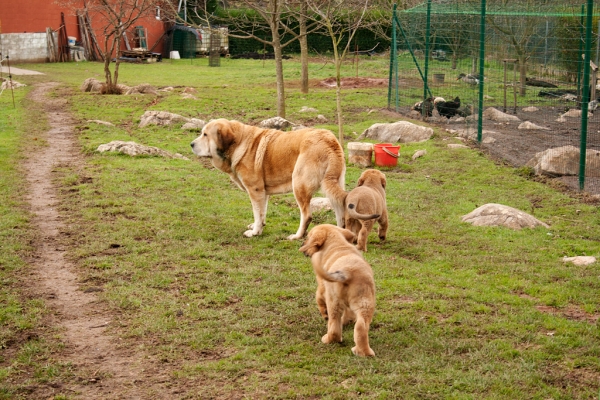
393, 61
586, 92
427, 33
481, 71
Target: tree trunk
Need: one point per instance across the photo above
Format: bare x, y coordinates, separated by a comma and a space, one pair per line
279, 73
523, 77
107, 59
117, 62
303, 51
338, 95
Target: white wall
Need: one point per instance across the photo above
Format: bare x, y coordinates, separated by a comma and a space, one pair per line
24, 47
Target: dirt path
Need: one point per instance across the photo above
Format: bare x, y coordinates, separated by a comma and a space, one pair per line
103, 367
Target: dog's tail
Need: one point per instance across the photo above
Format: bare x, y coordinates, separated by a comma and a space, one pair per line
337, 276
352, 213
334, 183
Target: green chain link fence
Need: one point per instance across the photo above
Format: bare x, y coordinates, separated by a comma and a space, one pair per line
537, 93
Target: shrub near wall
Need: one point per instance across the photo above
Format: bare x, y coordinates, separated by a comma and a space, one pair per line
317, 43
365, 39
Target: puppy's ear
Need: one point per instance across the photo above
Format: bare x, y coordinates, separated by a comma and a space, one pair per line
361, 181
349, 235
383, 181
224, 136
313, 243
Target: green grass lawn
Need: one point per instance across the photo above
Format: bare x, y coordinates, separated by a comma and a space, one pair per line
462, 312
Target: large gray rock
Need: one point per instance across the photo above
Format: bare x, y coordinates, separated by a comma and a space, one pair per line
401, 132
496, 115
91, 85
10, 84
144, 88
418, 154
161, 118
565, 161
319, 204
499, 215
194, 124
471, 134
580, 260
527, 125
135, 149
275, 123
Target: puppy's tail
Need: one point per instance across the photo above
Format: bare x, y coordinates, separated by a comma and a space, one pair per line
337, 276
350, 209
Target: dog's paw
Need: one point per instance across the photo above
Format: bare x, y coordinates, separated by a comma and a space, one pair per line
294, 237
358, 352
250, 233
382, 238
329, 339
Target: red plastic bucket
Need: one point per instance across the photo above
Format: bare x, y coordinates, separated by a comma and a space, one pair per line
386, 154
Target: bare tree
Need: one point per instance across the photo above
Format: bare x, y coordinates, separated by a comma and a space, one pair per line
521, 33
247, 19
340, 21
302, 18
279, 16
114, 17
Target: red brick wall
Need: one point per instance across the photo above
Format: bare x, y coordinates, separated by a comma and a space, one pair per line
19, 16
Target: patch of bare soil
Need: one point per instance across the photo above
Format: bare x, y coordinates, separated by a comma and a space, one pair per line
103, 367
570, 312
355, 82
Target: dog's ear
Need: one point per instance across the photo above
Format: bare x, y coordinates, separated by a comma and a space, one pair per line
361, 181
314, 242
383, 180
349, 235
224, 137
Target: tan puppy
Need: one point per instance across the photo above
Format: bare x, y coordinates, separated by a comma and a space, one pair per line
264, 162
365, 205
345, 285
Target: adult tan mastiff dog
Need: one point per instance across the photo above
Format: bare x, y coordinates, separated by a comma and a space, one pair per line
365, 205
345, 285
264, 162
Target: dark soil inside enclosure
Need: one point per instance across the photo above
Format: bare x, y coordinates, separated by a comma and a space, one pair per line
503, 140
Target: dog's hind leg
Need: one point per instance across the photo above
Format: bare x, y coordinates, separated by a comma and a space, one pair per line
303, 193
363, 235
383, 226
361, 336
337, 198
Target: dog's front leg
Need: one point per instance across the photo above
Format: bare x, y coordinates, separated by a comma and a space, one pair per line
259, 209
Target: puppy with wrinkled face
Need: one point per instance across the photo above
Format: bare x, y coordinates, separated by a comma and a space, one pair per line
345, 284
365, 205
